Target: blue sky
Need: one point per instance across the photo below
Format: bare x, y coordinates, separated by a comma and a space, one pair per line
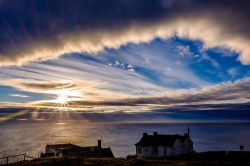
171, 64
124, 56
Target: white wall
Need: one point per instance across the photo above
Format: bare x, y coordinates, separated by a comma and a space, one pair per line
137, 151
169, 151
188, 145
147, 151
161, 151
182, 147
178, 148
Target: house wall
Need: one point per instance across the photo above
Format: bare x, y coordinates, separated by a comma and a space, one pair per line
169, 151
188, 145
148, 151
182, 147
178, 148
48, 149
163, 151
139, 153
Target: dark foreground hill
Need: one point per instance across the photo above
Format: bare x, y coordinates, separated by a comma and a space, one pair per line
198, 159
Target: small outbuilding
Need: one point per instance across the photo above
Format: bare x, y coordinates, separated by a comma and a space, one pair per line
71, 150
160, 145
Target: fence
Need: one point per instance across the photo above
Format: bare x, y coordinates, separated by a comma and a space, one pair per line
15, 158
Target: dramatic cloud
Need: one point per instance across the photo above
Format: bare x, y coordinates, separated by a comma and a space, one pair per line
125, 60
91, 81
210, 97
222, 93
107, 80
41, 30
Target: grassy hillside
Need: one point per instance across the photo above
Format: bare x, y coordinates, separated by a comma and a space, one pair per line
199, 159
125, 162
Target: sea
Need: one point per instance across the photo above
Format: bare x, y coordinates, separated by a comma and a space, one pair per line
31, 138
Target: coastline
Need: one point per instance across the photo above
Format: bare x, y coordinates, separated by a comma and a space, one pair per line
215, 158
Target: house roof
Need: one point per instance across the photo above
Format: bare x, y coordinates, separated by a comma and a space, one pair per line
72, 150
96, 151
63, 146
160, 140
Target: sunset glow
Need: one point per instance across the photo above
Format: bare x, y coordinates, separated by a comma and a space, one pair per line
136, 62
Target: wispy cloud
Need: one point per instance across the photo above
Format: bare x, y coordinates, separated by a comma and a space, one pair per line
19, 95
106, 79
93, 80
233, 71
184, 50
201, 98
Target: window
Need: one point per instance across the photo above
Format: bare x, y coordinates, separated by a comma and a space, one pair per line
139, 150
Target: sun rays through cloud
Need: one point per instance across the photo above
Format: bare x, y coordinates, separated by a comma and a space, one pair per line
160, 56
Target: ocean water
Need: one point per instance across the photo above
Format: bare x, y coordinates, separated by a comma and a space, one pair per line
31, 138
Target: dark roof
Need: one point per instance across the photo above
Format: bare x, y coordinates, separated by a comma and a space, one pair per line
63, 146
94, 151
160, 140
71, 150
43, 155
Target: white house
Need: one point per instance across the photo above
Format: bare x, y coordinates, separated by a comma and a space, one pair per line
159, 145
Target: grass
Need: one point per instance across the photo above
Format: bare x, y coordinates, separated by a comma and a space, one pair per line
196, 159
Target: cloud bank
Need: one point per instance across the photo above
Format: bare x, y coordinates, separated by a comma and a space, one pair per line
224, 93
43, 29
215, 97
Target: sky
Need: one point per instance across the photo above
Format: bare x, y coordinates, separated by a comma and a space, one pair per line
123, 60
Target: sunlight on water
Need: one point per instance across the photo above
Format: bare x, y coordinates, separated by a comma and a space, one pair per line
13, 115
31, 138
60, 123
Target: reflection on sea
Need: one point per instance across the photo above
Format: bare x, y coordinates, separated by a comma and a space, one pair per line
31, 137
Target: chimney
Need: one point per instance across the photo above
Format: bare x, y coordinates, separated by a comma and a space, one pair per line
155, 133
145, 134
99, 143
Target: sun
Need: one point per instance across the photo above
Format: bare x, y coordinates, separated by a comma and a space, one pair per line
62, 98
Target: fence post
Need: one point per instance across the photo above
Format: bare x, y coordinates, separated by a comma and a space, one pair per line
7, 160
